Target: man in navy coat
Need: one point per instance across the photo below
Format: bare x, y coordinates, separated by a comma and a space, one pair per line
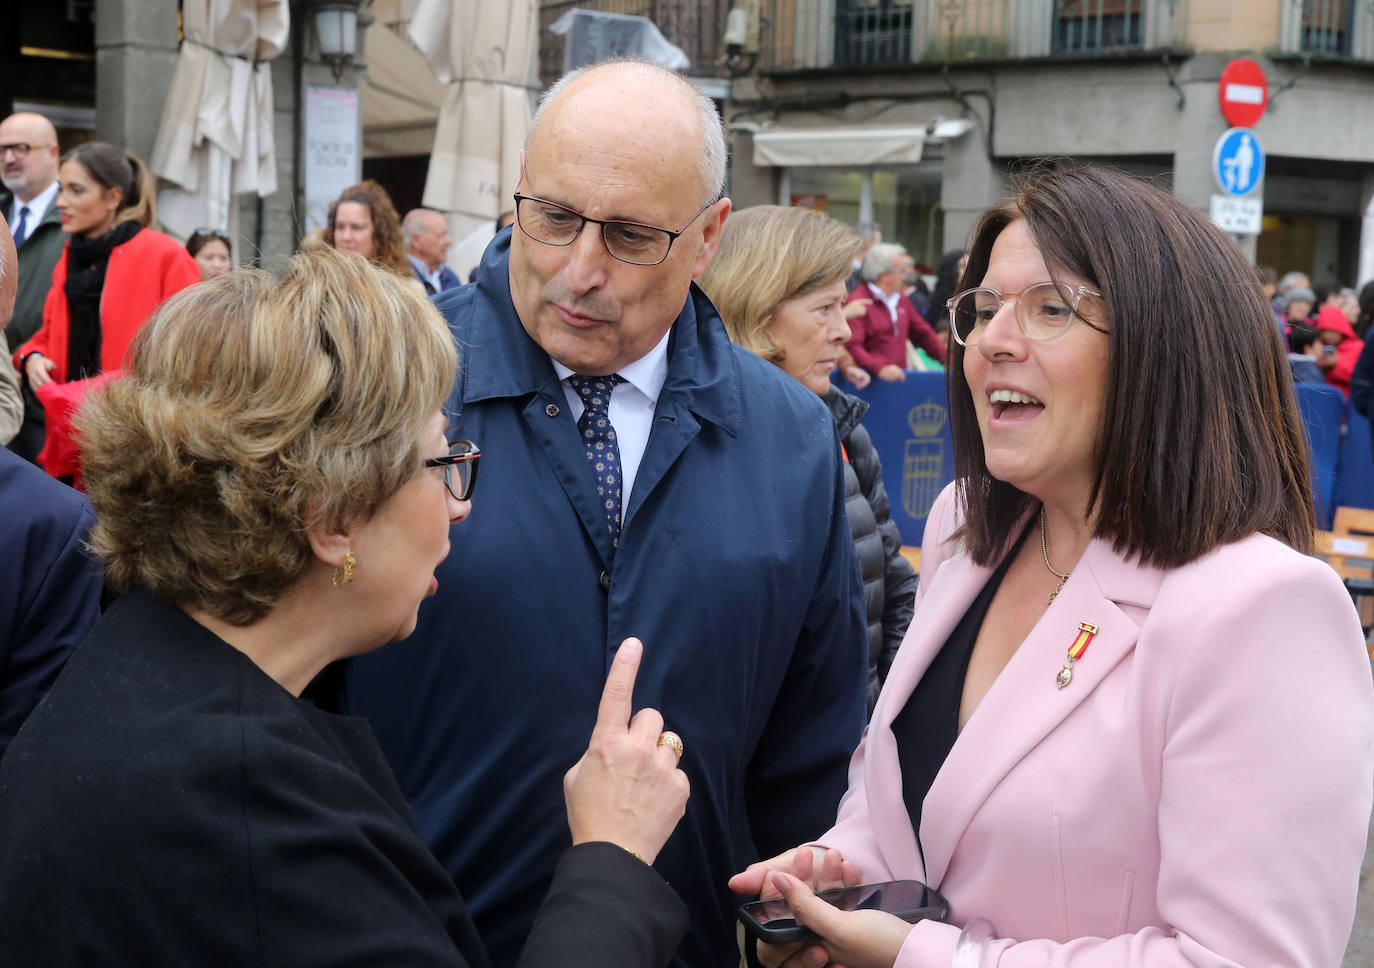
641, 476
49, 588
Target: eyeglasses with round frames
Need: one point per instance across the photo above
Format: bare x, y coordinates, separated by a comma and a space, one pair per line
636, 243
21, 149
1043, 311
460, 462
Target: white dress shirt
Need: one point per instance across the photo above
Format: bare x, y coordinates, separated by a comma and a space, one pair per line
38, 207
424, 272
631, 408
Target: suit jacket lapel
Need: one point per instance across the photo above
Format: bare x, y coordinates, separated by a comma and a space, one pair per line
1024, 704
501, 361
564, 451
953, 588
702, 385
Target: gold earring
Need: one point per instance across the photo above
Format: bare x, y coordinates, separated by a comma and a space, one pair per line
344, 573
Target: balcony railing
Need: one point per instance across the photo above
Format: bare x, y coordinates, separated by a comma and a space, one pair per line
1331, 28
803, 34
694, 25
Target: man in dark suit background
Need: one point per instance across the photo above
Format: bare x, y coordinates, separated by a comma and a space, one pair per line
28, 171
49, 587
427, 241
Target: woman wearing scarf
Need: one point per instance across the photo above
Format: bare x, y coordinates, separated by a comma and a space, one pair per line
114, 272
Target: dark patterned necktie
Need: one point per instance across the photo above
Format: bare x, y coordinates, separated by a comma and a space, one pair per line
598, 438
21, 231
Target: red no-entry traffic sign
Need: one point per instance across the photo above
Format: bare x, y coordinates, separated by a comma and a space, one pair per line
1243, 92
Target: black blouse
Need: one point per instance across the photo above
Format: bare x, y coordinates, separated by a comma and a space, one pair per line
928, 725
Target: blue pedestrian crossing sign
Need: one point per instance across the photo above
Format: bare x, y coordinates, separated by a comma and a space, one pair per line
1238, 161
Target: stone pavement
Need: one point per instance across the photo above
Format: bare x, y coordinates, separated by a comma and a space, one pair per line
1360, 952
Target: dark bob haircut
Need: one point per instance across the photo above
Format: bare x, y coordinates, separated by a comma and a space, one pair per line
1201, 442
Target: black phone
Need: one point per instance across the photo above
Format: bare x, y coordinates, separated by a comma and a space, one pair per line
772, 921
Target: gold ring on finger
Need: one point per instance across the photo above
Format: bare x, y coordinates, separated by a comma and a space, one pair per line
673, 741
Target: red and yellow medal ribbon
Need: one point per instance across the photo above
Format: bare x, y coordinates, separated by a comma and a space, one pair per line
1086, 632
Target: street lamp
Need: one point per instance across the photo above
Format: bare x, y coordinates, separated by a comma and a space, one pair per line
336, 28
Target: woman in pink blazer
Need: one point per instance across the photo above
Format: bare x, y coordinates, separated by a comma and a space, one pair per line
1132, 723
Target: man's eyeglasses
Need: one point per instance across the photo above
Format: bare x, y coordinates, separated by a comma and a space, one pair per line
460, 468
633, 242
21, 149
1043, 311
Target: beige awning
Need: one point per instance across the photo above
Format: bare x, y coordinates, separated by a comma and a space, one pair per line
216, 139
484, 53
400, 97
840, 147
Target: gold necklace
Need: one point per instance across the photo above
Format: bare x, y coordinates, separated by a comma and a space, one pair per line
1045, 553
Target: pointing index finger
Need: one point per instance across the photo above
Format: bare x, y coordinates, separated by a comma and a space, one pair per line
614, 711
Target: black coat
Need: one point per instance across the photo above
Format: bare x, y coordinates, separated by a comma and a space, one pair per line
170, 804
49, 591
889, 579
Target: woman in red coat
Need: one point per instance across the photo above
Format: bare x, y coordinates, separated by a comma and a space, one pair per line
114, 272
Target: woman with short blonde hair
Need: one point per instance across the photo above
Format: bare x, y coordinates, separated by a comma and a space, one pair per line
769, 255
305, 426
274, 493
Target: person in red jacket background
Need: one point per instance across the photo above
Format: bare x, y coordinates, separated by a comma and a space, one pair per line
881, 332
113, 273
1338, 347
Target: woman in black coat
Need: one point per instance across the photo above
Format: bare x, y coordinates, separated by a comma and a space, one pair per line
274, 490
778, 280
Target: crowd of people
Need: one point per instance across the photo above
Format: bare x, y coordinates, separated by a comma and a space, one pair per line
85, 220
670, 655
1324, 326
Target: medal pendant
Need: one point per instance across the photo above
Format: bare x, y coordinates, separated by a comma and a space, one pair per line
1065, 675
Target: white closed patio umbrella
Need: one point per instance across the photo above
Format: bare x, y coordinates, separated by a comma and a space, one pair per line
484, 53
215, 140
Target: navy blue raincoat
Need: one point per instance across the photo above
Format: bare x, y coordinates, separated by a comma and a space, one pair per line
735, 566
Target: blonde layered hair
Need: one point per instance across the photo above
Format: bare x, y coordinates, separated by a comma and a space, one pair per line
767, 255
251, 409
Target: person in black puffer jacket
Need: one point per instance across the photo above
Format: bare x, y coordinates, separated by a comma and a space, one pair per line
778, 281
889, 579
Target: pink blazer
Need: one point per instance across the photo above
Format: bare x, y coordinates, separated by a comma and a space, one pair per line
1198, 795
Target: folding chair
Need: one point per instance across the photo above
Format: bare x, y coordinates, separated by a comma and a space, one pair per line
1349, 550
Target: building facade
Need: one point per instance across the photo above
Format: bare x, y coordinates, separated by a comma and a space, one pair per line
914, 113
103, 69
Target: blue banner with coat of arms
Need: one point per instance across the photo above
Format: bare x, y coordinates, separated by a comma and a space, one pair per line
909, 424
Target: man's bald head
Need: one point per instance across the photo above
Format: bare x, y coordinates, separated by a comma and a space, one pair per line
28, 170
626, 87
622, 142
9, 274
